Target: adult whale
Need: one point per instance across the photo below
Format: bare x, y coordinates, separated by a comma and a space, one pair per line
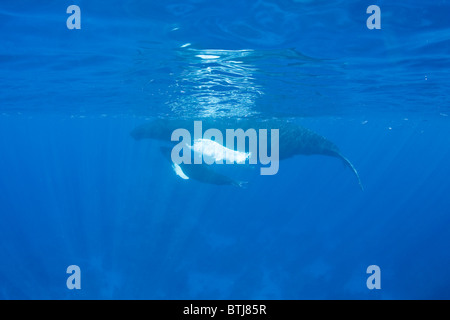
293, 139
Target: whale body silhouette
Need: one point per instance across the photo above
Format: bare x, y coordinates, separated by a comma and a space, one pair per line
293, 138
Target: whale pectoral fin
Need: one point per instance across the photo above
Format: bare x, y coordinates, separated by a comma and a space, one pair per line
179, 172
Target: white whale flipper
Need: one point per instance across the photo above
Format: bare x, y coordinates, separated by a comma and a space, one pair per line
215, 152
179, 172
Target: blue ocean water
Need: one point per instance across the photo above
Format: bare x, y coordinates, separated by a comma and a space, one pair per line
76, 189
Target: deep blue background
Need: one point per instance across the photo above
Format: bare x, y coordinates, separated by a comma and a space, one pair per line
75, 188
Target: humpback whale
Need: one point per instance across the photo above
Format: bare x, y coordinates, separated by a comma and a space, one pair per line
212, 151
201, 172
293, 139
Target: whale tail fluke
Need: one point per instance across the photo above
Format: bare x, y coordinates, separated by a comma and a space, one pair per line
350, 165
241, 184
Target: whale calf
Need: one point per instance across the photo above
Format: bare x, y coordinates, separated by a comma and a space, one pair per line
293, 139
200, 172
211, 151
